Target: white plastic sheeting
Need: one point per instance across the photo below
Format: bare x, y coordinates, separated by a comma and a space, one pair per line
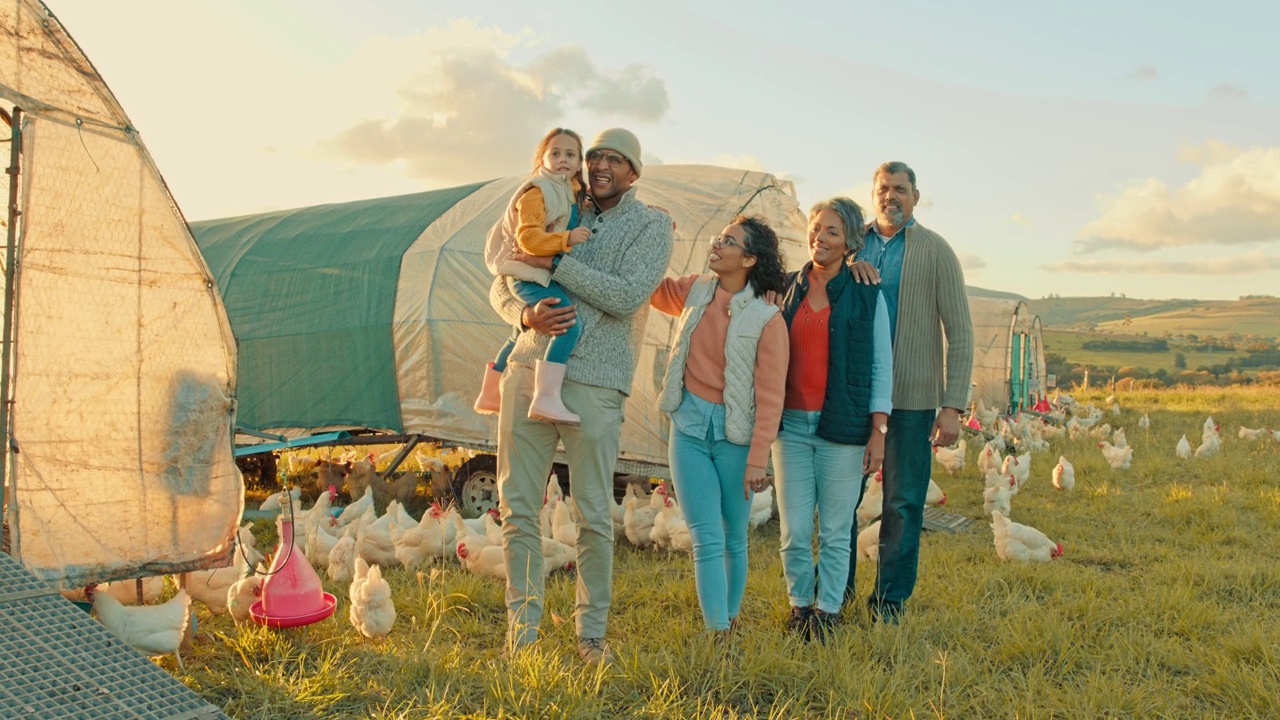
124, 365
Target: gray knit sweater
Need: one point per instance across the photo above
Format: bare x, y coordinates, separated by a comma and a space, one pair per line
931, 300
610, 279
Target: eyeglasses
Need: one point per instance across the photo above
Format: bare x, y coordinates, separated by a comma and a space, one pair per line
726, 240
615, 160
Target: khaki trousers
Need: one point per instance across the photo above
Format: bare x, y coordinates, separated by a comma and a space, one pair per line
526, 450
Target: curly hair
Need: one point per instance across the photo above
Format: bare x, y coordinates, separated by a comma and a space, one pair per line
770, 270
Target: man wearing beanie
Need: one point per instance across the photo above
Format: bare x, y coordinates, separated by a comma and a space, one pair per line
609, 278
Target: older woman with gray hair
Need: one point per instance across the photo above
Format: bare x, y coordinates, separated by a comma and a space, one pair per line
837, 403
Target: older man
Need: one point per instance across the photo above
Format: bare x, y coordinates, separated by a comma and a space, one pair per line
609, 278
924, 287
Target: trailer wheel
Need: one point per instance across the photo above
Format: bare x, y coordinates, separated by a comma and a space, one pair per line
475, 484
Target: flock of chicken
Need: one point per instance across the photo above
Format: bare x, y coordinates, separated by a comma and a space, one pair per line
354, 544
1030, 433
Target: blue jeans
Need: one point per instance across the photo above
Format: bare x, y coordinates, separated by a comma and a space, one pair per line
708, 477
907, 458
561, 346
815, 474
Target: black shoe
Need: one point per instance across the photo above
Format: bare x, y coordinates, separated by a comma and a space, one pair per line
801, 622
884, 611
824, 625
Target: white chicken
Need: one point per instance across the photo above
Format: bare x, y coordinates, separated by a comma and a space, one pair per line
563, 528
997, 497
320, 542
372, 610
1119, 439
373, 541
951, 460
275, 502
989, 458
210, 586
761, 508
637, 520
1115, 409
1211, 444
414, 545
934, 495
1019, 467
1254, 434
356, 509
662, 522
486, 561
342, 557
872, 503
1183, 449
1015, 541
1117, 458
244, 593
869, 542
468, 544
1145, 421
149, 629
1064, 474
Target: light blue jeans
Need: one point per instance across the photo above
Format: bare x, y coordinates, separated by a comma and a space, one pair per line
815, 475
708, 477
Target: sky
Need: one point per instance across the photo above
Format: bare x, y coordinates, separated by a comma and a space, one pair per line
1083, 148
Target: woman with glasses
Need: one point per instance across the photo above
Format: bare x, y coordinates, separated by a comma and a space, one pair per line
836, 405
723, 389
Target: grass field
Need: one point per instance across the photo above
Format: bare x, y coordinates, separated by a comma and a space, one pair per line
1069, 344
1165, 605
1251, 316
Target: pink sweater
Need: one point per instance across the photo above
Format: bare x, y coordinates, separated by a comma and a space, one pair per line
704, 372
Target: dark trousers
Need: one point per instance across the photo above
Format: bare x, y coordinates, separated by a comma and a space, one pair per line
907, 459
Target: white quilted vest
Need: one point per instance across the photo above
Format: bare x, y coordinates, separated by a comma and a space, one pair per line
748, 315
557, 194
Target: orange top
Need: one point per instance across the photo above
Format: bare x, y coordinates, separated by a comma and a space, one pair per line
531, 225
704, 369
807, 373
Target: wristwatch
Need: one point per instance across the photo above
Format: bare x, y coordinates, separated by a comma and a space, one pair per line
555, 262
883, 428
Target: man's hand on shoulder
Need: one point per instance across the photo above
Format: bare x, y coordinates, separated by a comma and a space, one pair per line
864, 272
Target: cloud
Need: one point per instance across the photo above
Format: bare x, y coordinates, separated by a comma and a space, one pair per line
971, 263
742, 162
1146, 72
1238, 265
472, 112
1235, 200
1228, 91
1020, 219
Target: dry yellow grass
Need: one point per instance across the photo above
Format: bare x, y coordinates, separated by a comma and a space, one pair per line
1166, 605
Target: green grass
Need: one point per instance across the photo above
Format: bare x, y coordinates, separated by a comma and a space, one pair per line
1068, 344
1165, 605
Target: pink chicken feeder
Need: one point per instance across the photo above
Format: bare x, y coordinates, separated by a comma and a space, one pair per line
291, 595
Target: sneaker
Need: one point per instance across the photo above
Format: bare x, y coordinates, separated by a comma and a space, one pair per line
824, 624
594, 651
801, 622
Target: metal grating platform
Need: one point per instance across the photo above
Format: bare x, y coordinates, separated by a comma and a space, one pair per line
60, 663
941, 520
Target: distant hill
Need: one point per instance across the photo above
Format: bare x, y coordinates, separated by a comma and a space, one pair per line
996, 294
1253, 316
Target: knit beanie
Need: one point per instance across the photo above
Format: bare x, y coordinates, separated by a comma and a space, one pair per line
621, 141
